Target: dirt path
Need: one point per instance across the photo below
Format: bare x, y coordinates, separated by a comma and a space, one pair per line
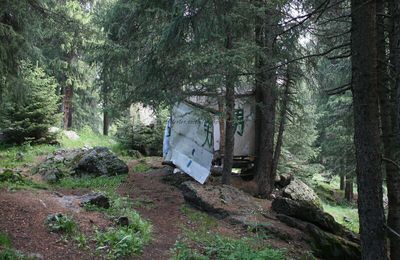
160, 203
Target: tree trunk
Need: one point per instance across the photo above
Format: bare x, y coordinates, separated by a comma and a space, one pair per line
229, 126
67, 106
392, 139
342, 181
266, 95
348, 193
106, 122
106, 117
367, 132
282, 123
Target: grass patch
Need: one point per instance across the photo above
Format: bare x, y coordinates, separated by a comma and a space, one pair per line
202, 243
141, 167
204, 220
345, 215
18, 156
101, 183
15, 181
117, 241
216, 246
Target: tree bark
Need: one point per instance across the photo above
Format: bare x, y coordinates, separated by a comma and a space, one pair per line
106, 122
348, 193
282, 123
67, 106
229, 125
266, 96
342, 181
367, 132
392, 140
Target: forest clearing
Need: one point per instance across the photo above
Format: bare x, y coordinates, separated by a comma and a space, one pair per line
200, 129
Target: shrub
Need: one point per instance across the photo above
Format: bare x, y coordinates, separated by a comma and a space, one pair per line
145, 139
60, 223
32, 108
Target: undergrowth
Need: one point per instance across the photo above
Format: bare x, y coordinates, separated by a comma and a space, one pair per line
202, 243
116, 241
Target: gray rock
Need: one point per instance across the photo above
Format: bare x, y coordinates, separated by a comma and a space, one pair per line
96, 199
99, 161
299, 191
71, 135
122, 221
309, 213
221, 201
51, 175
330, 246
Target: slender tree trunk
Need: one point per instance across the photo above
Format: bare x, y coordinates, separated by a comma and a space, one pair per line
392, 140
342, 181
106, 117
229, 126
348, 193
106, 122
266, 95
367, 132
282, 123
67, 106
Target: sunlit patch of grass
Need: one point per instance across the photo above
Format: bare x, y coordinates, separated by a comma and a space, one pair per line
141, 168
345, 215
101, 183
18, 156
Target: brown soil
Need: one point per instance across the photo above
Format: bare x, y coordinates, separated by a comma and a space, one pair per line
23, 214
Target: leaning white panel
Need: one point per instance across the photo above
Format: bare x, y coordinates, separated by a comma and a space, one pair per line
191, 141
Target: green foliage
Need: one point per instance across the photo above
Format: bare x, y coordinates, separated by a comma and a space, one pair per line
219, 247
145, 139
7, 252
101, 183
141, 167
18, 156
5, 241
60, 223
89, 138
34, 110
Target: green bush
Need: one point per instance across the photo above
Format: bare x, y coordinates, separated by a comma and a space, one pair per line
32, 108
60, 223
145, 139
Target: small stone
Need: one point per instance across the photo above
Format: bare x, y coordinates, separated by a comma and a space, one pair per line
96, 199
122, 221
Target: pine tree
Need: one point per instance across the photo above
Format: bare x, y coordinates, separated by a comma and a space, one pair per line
32, 108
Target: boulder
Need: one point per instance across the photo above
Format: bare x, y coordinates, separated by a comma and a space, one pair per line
51, 175
99, 161
330, 246
309, 213
71, 135
221, 201
96, 199
122, 221
299, 191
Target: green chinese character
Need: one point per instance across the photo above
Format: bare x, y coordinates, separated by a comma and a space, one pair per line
239, 121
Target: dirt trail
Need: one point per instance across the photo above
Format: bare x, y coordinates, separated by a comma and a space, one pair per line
160, 203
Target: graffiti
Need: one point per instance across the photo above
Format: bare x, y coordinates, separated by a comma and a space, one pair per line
209, 132
239, 121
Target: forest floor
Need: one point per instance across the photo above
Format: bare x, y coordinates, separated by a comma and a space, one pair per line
178, 230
